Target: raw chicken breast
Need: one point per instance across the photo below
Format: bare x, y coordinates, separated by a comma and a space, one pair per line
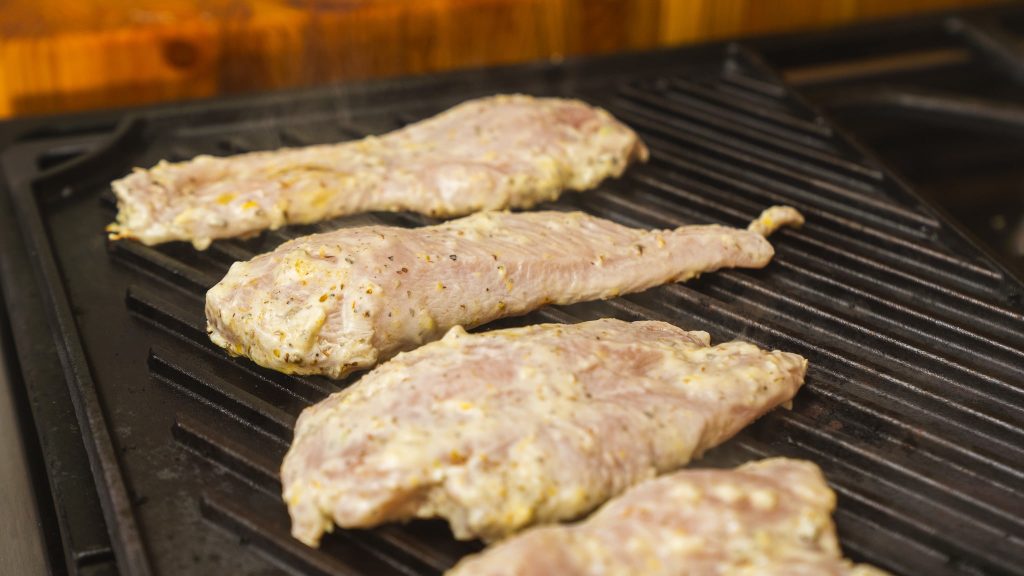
504, 429
486, 154
342, 301
767, 518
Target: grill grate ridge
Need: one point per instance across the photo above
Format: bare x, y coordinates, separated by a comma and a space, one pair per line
270, 533
753, 330
756, 334
680, 185
736, 109
242, 406
885, 214
190, 327
650, 192
668, 215
826, 320
765, 127
646, 105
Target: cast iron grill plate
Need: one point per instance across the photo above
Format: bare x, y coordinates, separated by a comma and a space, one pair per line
914, 397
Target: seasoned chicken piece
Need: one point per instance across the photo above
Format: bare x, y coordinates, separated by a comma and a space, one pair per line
771, 517
774, 218
504, 429
341, 301
485, 154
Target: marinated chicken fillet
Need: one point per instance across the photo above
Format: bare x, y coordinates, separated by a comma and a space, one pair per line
765, 518
341, 301
485, 154
504, 429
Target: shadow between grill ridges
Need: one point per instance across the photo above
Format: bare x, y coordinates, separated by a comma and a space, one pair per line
651, 209
259, 415
650, 103
270, 533
742, 96
970, 397
885, 279
805, 432
894, 547
672, 142
187, 324
155, 263
1000, 362
870, 539
683, 301
250, 459
716, 112
692, 89
883, 213
258, 466
907, 317
990, 373
893, 448
664, 186
744, 81
869, 432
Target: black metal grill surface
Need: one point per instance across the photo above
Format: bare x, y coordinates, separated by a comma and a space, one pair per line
914, 397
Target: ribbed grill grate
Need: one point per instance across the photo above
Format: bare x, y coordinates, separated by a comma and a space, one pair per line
914, 398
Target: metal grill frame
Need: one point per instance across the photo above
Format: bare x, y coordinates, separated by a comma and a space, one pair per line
914, 337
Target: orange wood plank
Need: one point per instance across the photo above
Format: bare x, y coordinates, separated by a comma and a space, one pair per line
57, 55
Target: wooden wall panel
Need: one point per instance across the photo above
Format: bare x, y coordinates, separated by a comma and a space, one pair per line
57, 55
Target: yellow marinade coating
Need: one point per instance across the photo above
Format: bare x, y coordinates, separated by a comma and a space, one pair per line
774, 218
